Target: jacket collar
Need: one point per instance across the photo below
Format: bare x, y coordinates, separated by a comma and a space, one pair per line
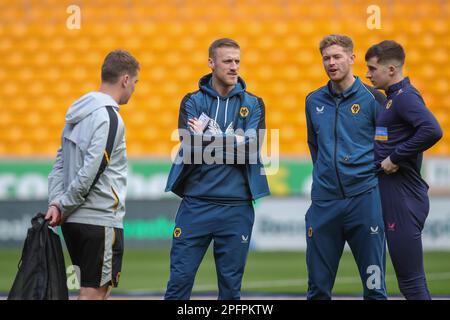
397, 86
354, 88
205, 85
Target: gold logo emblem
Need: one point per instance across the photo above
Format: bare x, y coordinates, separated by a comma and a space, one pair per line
310, 232
244, 112
355, 108
177, 232
388, 104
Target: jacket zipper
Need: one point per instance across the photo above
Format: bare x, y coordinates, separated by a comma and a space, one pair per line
335, 150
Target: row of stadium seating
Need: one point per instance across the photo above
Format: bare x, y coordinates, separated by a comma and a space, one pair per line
46, 66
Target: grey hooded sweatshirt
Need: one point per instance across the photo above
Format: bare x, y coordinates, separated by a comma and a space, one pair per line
78, 160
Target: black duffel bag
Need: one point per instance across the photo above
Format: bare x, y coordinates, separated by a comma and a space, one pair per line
42, 272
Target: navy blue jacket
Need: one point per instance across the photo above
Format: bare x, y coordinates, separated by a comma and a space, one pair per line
405, 129
222, 183
341, 130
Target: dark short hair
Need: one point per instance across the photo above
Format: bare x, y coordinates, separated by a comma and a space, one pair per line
118, 63
385, 51
219, 43
337, 39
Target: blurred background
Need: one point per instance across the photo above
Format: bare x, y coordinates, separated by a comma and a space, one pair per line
52, 51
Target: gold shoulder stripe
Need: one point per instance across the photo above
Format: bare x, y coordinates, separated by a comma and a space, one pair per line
106, 156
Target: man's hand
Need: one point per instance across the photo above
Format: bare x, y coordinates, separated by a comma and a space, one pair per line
214, 128
388, 166
240, 139
195, 125
230, 129
54, 215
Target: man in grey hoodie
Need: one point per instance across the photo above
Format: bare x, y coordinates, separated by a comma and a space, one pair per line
87, 186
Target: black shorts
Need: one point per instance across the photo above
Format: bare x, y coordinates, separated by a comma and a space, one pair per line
97, 251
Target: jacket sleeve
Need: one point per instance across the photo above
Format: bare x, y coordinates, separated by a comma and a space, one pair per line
189, 140
187, 111
312, 137
249, 149
55, 178
378, 103
78, 188
411, 108
222, 144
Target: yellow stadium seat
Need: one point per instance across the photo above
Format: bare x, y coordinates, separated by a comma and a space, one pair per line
49, 66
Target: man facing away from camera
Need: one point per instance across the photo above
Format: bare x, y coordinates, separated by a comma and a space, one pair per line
87, 185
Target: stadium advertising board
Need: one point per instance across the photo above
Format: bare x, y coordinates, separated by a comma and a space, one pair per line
279, 223
27, 179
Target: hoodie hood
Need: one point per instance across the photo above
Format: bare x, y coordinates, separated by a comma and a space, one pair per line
87, 104
205, 84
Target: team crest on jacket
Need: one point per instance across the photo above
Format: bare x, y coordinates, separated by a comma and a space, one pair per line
177, 232
388, 104
310, 232
355, 108
244, 112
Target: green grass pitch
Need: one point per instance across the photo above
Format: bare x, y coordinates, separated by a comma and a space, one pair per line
266, 272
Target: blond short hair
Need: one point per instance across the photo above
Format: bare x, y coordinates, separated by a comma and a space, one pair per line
337, 39
219, 43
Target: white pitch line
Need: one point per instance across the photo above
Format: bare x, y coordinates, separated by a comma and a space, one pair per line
290, 283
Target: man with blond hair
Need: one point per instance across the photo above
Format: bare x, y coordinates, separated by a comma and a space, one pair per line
345, 197
217, 196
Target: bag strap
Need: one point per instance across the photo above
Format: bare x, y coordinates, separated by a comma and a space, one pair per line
113, 124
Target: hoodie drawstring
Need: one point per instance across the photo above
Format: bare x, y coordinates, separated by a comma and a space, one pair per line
217, 109
226, 111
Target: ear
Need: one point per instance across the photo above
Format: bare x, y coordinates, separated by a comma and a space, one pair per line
392, 69
211, 63
352, 58
125, 80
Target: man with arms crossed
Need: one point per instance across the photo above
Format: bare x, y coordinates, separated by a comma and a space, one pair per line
217, 197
